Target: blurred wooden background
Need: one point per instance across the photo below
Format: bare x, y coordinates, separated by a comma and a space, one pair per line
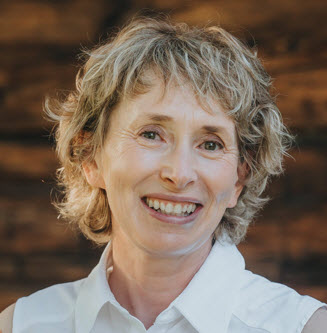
39, 42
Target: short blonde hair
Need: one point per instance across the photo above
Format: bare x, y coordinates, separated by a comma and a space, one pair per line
216, 65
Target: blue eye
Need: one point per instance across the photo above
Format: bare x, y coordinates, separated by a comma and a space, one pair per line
151, 135
212, 145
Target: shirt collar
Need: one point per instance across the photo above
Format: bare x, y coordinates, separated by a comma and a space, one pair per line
94, 293
209, 299
206, 303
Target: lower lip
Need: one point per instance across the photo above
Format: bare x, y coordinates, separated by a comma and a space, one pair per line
170, 218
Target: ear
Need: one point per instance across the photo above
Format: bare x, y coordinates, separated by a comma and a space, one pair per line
242, 172
93, 175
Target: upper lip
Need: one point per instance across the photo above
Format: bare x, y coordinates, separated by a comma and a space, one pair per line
173, 198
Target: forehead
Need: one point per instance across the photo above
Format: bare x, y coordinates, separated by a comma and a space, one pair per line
172, 104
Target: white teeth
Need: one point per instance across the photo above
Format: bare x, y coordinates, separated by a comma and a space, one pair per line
162, 206
171, 209
156, 204
178, 209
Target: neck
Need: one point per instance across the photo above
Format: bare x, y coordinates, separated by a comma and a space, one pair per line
145, 284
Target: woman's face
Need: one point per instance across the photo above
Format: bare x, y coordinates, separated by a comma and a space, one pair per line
168, 153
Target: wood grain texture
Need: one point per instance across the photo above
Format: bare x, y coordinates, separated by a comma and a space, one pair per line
40, 41
62, 22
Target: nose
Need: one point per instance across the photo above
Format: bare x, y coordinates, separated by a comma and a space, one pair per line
178, 169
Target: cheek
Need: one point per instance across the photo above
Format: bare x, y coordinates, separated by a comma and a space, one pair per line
222, 199
220, 179
139, 165
130, 166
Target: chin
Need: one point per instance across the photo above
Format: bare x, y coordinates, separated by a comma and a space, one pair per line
170, 245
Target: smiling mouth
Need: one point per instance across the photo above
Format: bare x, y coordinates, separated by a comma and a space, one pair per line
169, 208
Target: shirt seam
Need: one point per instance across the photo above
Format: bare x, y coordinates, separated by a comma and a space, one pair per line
251, 326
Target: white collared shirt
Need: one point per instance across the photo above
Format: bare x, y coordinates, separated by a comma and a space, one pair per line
222, 297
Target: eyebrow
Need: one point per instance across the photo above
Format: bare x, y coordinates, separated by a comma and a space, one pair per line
159, 118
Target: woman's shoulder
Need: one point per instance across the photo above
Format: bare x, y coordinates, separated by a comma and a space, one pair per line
317, 323
6, 318
265, 304
53, 305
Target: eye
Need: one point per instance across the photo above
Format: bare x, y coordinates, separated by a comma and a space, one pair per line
151, 135
212, 145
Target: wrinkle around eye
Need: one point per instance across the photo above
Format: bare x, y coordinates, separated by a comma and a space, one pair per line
149, 143
224, 154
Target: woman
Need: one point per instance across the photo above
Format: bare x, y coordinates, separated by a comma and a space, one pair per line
167, 145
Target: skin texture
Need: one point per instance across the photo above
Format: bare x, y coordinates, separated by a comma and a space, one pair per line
6, 318
317, 322
173, 157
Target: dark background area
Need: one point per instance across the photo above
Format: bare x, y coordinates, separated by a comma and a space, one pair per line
40, 41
